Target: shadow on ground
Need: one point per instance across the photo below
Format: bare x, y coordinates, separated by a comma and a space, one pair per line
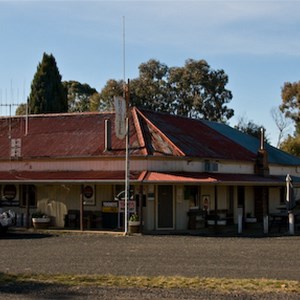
22, 235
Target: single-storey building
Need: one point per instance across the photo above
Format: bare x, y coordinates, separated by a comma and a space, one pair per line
185, 174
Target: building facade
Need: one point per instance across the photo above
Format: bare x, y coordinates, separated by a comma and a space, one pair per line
184, 174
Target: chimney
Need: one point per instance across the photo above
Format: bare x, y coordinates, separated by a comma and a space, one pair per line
262, 139
262, 162
107, 133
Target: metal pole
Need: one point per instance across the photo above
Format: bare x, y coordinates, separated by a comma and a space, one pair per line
127, 186
81, 208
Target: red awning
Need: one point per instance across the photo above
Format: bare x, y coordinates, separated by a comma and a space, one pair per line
135, 177
210, 178
66, 176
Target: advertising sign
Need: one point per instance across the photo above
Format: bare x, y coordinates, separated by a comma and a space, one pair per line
120, 108
131, 206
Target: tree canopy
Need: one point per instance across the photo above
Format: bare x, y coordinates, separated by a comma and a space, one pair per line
47, 92
79, 96
290, 106
251, 128
291, 145
194, 90
290, 95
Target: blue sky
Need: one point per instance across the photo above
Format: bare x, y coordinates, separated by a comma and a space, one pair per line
256, 43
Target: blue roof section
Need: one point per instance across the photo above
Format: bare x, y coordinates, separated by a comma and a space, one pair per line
276, 156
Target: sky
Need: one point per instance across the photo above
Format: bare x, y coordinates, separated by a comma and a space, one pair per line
256, 43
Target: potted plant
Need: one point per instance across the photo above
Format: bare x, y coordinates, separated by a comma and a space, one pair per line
134, 223
40, 220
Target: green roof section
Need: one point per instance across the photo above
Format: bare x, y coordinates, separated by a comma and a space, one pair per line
276, 156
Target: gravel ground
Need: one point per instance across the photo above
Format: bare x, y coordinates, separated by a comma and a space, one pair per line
71, 253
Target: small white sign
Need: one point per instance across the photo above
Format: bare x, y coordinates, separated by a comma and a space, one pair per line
120, 119
131, 206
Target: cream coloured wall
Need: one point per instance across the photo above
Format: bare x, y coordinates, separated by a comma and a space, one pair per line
157, 164
284, 170
249, 200
56, 200
274, 199
222, 197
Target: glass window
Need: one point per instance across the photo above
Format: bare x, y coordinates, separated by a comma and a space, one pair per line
29, 190
191, 193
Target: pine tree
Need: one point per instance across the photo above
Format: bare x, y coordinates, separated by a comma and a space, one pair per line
47, 92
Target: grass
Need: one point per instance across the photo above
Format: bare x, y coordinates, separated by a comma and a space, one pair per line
222, 285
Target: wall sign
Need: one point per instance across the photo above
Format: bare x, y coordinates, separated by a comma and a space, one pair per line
10, 192
88, 195
10, 195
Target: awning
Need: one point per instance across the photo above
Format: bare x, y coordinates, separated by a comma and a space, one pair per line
66, 176
211, 178
80, 177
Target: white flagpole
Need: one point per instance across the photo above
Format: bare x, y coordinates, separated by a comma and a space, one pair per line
127, 192
126, 97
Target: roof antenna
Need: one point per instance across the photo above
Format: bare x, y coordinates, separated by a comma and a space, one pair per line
27, 110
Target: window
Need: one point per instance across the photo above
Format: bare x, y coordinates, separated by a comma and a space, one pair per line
210, 166
29, 190
191, 193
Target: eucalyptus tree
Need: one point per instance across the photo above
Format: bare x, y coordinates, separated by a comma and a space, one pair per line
79, 96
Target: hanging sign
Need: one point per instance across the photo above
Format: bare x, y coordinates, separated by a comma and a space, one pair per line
120, 119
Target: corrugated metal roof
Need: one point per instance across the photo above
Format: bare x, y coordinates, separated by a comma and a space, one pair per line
62, 135
251, 143
195, 139
151, 133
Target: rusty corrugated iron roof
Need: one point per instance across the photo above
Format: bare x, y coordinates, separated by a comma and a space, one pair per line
63, 135
193, 138
151, 134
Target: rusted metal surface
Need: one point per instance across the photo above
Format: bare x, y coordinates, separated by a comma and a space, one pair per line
195, 139
82, 135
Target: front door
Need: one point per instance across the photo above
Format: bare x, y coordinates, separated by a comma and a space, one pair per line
165, 207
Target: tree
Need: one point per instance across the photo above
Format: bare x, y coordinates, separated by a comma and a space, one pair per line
194, 90
281, 122
111, 89
79, 96
290, 94
291, 145
21, 109
150, 90
47, 92
198, 91
249, 127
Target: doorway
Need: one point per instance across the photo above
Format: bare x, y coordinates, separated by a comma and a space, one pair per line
165, 207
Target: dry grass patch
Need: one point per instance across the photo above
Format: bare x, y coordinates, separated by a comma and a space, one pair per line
222, 285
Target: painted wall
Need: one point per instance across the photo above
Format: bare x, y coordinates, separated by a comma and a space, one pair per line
274, 199
56, 200
249, 200
156, 164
